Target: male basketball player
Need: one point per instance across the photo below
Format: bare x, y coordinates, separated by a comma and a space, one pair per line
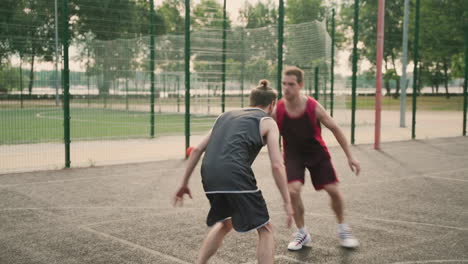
228, 180
299, 118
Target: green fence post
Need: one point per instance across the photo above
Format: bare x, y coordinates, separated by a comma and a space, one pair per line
415, 71
152, 66
332, 74
316, 83
325, 80
242, 67
21, 80
353, 80
223, 89
66, 85
178, 93
465, 87
280, 47
187, 75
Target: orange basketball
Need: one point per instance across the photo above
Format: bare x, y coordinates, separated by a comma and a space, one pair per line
189, 150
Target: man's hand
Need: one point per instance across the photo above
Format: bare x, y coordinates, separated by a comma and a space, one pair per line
289, 214
179, 195
354, 165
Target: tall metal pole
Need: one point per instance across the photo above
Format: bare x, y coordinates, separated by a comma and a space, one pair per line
56, 55
332, 72
465, 87
415, 71
280, 47
316, 83
353, 80
223, 76
152, 66
242, 67
378, 81
404, 61
66, 86
187, 75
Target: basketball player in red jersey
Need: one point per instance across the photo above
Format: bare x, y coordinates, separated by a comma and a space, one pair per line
299, 118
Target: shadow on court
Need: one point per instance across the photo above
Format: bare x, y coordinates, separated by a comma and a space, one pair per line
409, 205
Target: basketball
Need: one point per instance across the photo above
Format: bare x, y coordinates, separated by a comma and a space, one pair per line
189, 150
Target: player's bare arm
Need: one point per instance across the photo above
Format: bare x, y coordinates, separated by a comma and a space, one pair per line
271, 133
192, 162
329, 123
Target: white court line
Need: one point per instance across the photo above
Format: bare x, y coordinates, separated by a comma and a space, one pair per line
128, 243
446, 178
433, 261
419, 175
415, 223
85, 208
124, 219
283, 257
390, 221
84, 179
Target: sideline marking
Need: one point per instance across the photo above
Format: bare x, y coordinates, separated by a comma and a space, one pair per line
93, 208
432, 261
283, 257
388, 220
445, 178
415, 223
86, 178
131, 244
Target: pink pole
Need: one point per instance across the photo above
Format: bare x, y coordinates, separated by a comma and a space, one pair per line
378, 81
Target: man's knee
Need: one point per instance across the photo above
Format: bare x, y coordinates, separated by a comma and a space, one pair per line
295, 189
332, 190
226, 225
266, 229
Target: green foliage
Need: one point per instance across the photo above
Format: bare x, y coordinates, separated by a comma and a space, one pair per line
208, 14
259, 14
170, 11
10, 79
300, 11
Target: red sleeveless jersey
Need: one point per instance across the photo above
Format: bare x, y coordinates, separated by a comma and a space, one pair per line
302, 135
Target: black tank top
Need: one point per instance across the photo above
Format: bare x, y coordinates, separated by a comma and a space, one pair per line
234, 144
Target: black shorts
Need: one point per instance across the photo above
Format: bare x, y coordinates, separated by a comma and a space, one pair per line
247, 210
321, 171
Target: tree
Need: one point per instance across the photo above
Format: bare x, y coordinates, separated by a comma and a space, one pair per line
108, 23
393, 33
441, 39
259, 15
300, 11
207, 39
208, 15
30, 32
170, 11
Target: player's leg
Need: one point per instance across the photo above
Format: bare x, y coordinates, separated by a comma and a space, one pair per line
266, 244
214, 240
336, 201
326, 179
295, 172
295, 189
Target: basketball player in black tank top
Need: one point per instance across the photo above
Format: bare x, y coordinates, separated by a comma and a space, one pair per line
228, 180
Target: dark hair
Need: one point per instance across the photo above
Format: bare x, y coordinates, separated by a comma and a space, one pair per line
262, 95
295, 71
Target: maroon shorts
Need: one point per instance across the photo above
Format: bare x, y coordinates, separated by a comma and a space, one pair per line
321, 171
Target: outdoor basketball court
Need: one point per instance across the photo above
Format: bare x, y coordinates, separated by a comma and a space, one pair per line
409, 205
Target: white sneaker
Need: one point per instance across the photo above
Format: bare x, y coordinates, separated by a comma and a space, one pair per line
347, 240
300, 239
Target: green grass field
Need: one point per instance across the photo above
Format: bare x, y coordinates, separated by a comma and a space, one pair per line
42, 121
423, 103
33, 125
